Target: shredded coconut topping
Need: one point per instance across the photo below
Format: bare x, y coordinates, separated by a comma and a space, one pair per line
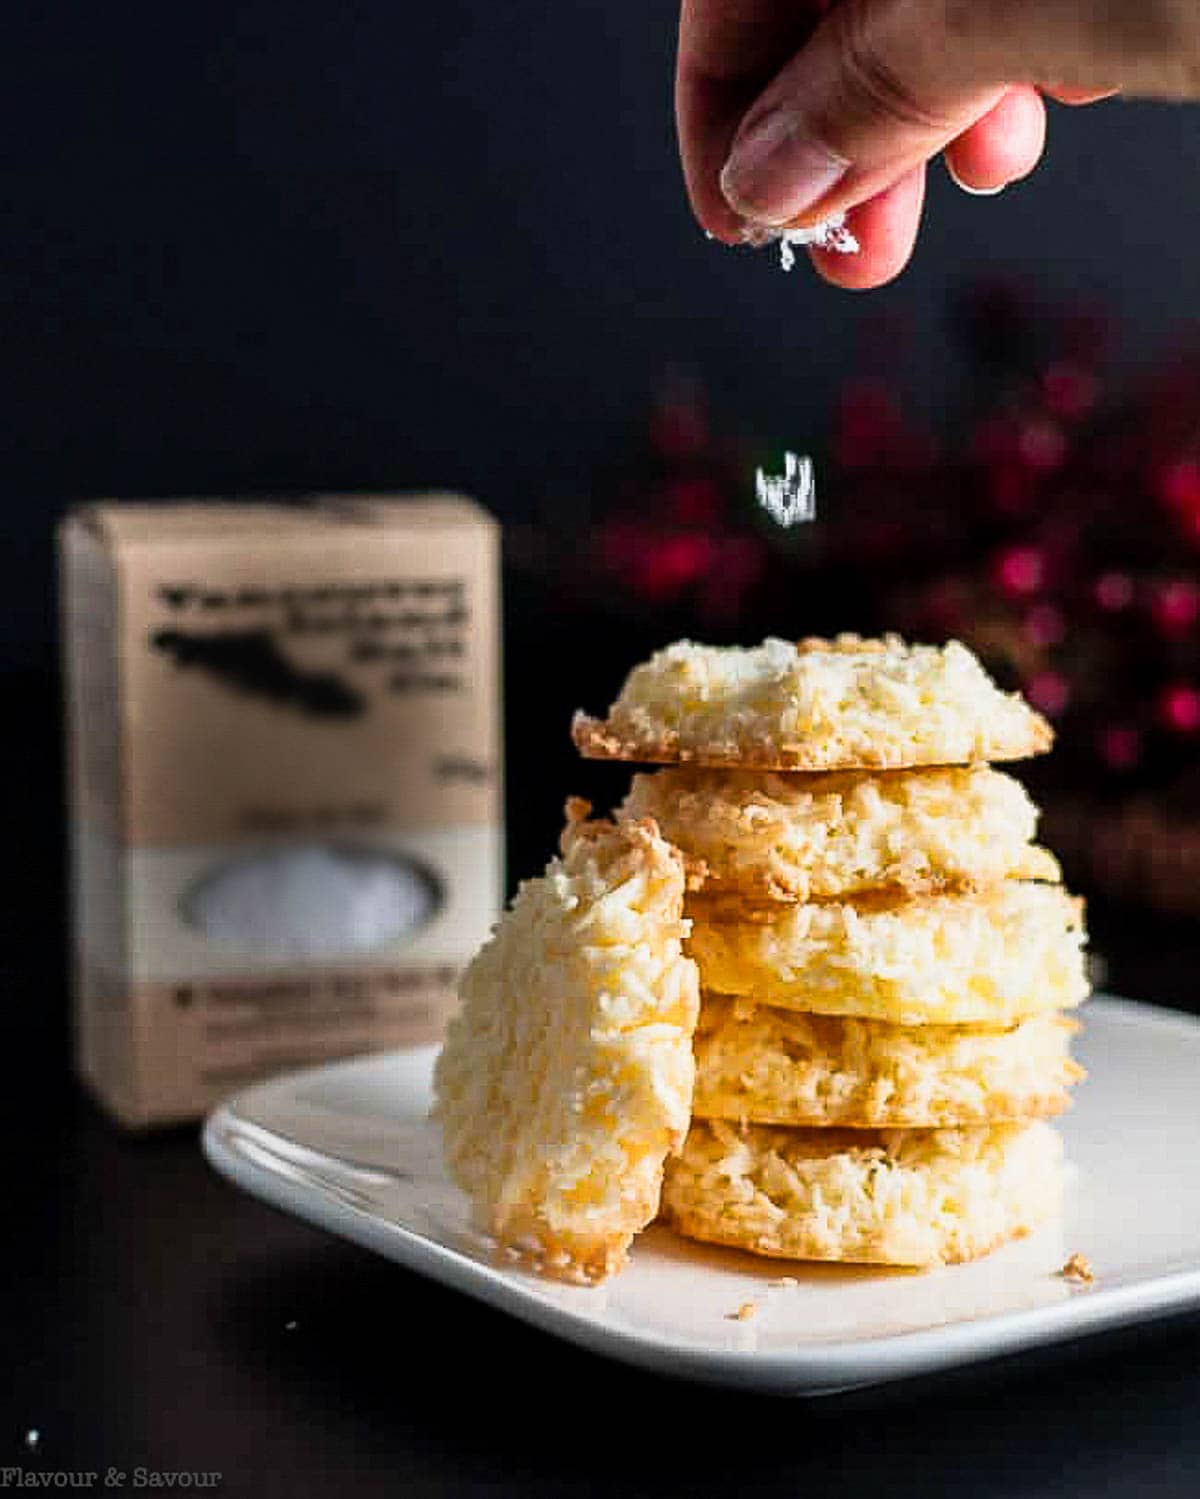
567, 1074
756, 1063
814, 705
910, 1197
763, 836
988, 959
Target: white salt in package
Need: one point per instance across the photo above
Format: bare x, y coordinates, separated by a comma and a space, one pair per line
285, 761
307, 901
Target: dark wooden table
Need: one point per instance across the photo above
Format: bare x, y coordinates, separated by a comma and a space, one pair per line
153, 1318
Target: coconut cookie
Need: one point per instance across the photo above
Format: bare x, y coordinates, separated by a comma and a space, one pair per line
845, 704
756, 1064
762, 837
566, 1076
889, 1197
988, 959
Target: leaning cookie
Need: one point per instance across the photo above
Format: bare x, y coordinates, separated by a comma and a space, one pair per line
763, 837
892, 1197
760, 1065
988, 959
566, 1076
845, 704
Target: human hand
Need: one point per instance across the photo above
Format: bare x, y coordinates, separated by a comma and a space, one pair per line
792, 110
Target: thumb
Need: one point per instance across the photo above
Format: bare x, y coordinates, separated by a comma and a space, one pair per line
883, 85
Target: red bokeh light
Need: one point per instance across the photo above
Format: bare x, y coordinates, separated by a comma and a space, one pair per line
1045, 625
1179, 485
1114, 591
1120, 747
1176, 606
1069, 390
693, 502
1179, 707
1020, 570
1049, 692
1041, 446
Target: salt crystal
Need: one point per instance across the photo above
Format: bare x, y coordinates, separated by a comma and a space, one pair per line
790, 497
830, 234
32, 1437
311, 901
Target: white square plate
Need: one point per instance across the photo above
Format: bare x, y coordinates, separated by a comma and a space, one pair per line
348, 1147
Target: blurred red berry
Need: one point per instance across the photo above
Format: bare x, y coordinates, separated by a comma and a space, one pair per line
1041, 446
673, 563
1175, 606
1179, 485
1045, 625
692, 502
1020, 571
1179, 708
1113, 591
1120, 747
1070, 390
1049, 692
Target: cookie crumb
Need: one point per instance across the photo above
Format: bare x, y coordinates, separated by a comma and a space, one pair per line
1079, 1269
745, 1313
783, 1283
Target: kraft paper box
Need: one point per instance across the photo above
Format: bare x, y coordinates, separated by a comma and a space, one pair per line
285, 783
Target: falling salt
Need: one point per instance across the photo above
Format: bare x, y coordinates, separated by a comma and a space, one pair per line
311, 901
791, 497
32, 1437
830, 234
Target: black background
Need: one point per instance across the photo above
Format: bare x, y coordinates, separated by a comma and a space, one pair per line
267, 248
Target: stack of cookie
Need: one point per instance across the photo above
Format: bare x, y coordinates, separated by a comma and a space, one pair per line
884, 954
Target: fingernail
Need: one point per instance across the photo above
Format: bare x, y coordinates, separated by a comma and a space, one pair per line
776, 170
974, 192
